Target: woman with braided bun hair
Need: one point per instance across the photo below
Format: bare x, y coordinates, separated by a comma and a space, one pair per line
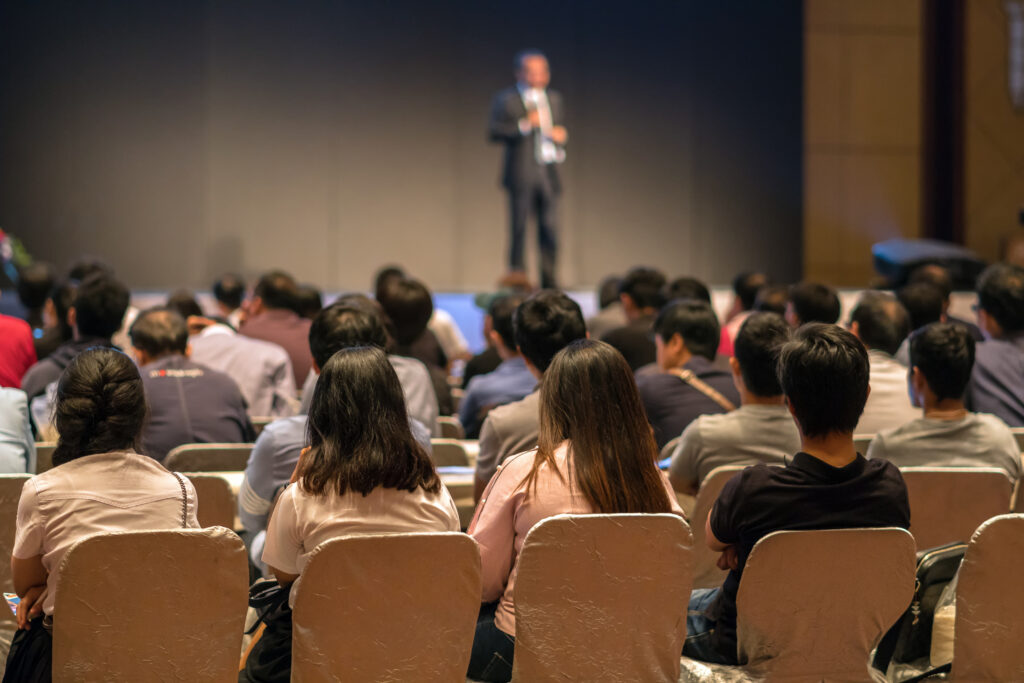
99, 483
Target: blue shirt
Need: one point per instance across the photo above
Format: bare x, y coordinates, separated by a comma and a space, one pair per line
511, 381
997, 381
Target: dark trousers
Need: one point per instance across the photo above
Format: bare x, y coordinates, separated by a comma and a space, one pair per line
30, 657
540, 199
493, 649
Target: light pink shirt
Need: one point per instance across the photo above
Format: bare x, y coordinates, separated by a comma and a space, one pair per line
506, 514
120, 491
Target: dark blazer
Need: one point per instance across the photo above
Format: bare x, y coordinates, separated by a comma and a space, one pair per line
520, 165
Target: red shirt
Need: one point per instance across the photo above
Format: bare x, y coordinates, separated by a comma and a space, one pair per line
17, 353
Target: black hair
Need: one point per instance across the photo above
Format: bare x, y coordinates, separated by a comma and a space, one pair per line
757, 348
882, 322
746, 286
386, 276
308, 301
934, 275
694, 320
924, 303
502, 311
824, 374
63, 298
184, 302
944, 353
409, 306
814, 302
100, 303
687, 288
644, 286
159, 331
545, 324
1001, 295
342, 326
277, 290
772, 299
608, 291
358, 430
86, 267
35, 282
522, 55
229, 290
100, 407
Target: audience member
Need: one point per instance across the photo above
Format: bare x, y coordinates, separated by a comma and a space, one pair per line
17, 445
487, 360
441, 323
188, 402
997, 382
17, 352
99, 413
511, 381
308, 301
686, 335
924, 304
610, 315
939, 277
544, 324
812, 302
409, 306
772, 299
183, 302
745, 287
881, 323
827, 485
35, 282
57, 329
229, 292
760, 430
272, 318
641, 295
687, 288
595, 454
941, 357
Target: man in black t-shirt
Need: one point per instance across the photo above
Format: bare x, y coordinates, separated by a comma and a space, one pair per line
828, 485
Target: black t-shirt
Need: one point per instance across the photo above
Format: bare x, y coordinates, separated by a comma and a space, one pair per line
635, 341
806, 494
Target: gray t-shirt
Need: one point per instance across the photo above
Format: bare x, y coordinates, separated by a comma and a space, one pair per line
749, 435
977, 440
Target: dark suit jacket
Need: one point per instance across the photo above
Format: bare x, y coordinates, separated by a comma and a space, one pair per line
520, 165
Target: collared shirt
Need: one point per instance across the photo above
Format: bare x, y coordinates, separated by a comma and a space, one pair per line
262, 370
635, 341
17, 351
888, 404
508, 429
511, 381
287, 330
997, 381
17, 446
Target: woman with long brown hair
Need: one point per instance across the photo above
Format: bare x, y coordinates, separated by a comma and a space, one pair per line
595, 454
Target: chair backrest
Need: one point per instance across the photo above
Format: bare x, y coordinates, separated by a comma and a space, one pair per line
387, 608
258, 423
862, 441
10, 494
1018, 433
44, 455
947, 504
451, 428
151, 606
448, 453
208, 457
217, 504
706, 573
670, 447
602, 597
989, 604
815, 603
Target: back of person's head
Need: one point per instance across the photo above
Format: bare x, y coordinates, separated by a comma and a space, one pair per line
694, 320
1001, 296
746, 286
159, 332
342, 326
100, 407
358, 430
100, 303
229, 290
687, 288
589, 397
35, 282
880, 322
814, 302
386, 276
308, 301
409, 306
924, 303
772, 299
644, 286
608, 291
944, 353
757, 349
824, 374
502, 311
184, 302
63, 298
86, 267
276, 290
934, 275
545, 324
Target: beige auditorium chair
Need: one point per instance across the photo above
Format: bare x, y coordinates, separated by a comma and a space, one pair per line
208, 457
602, 598
669, 448
10, 494
813, 604
1018, 433
862, 441
44, 455
151, 606
448, 453
948, 503
450, 427
258, 423
217, 504
706, 573
387, 608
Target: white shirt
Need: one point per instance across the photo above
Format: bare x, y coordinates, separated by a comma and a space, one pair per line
888, 404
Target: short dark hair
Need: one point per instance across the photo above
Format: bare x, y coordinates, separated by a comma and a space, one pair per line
385, 277
814, 302
757, 348
409, 306
694, 320
276, 289
308, 301
1001, 295
934, 275
545, 324
772, 299
343, 326
85, 267
502, 311
159, 331
924, 303
35, 282
746, 286
229, 290
944, 353
100, 303
824, 374
687, 288
63, 298
522, 55
184, 302
882, 322
608, 291
644, 286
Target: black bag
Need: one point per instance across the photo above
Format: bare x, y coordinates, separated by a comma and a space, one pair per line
30, 657
270, 658
910, 638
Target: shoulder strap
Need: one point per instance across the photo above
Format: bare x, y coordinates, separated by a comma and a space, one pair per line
184, 500
703, 387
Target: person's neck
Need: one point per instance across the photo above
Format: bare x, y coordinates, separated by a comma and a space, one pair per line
749, 399
834, 449
680, 361
946, 409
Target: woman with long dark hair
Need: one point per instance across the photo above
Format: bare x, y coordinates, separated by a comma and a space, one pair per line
595, 454
99, 483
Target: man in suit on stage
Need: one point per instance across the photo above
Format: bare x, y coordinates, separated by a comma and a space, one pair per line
528, 119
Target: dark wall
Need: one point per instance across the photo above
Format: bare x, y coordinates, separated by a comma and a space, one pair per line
182, 139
